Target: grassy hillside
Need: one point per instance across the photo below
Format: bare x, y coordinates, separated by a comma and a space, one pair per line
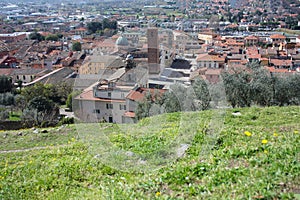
251, 154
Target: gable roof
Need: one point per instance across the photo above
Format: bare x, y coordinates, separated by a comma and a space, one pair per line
117, 75
207, 57
277, 36
139, 93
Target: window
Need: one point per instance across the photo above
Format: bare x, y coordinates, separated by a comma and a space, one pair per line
96, 111
122, 107
109, 106
109, 94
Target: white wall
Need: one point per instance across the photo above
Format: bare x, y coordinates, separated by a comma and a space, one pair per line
94, 111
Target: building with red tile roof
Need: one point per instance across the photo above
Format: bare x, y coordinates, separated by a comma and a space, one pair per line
277, 36
210, 61
281, 64
251, 40
136, 95
213, 75
280, 72
278, 39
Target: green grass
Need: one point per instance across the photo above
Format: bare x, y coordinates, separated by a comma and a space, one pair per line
28, 138
91, 161
289, 31
15, 116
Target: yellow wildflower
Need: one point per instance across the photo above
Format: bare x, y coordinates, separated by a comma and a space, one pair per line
296, 132
264, 141
157, 194
265, 151
247, 133
275, 134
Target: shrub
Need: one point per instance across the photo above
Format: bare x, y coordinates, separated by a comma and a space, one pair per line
4, 114
66, 120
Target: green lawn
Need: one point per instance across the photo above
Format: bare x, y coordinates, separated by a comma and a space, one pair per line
30, 138
252, 156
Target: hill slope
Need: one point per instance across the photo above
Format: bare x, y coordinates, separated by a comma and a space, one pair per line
251, 154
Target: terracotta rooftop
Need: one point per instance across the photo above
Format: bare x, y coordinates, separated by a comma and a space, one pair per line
206, 57
129, 114
81, 29
107, 43
277, 36
139, 93
251, 37
254, 56
278, 62
274, 70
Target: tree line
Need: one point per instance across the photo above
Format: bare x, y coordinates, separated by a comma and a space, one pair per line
39, 37
38, 104
177, 98
237, 88
256, 86
101, 27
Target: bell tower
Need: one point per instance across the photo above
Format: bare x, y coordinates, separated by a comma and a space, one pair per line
153, 51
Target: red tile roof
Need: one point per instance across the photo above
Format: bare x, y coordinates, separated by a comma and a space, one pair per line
129, 114
81, 29
278, 62
275, 70
207, 57
254, 56
139, 93
251, 37
277, 36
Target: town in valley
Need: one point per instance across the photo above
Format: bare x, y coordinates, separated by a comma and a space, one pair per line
108, 57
